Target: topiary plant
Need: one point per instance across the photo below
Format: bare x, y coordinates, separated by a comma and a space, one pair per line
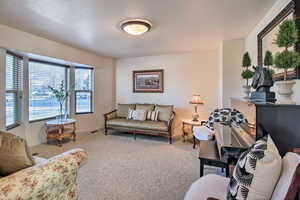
287, 37
246, 60
247, 74
268, 61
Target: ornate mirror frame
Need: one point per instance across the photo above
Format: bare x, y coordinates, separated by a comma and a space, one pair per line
292, 7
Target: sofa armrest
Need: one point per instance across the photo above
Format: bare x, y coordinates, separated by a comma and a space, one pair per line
110, 115
171, 120
54, 178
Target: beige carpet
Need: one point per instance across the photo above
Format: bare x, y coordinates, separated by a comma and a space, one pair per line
120, 168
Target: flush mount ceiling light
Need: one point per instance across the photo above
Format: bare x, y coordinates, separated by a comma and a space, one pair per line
135, 26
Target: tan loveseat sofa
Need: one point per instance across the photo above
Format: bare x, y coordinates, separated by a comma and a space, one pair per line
117, 120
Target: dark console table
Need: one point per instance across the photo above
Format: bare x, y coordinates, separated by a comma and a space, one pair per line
225, 149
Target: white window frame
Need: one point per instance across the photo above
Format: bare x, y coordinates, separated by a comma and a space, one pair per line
17, 91
66, 87
91, 91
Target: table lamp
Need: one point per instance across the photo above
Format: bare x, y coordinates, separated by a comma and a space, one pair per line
196, 100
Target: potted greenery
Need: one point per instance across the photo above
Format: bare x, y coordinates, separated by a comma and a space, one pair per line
287, 59
247, 74
269, 61
61, 96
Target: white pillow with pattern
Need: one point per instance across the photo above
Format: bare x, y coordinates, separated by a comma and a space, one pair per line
130, 114
139, 115
256, 173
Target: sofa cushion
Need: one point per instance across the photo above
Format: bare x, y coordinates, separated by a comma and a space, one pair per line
165, 112
122, 110
205, 187
145, 125
257, 172
147, 107
290, 167
152, 125
14, 154
39, 160
123, 122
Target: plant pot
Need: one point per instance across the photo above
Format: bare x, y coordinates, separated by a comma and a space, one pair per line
285, 92
246, 90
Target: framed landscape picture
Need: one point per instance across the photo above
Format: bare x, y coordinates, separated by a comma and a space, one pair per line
148, 81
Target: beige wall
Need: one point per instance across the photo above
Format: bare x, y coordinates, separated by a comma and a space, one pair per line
232, 82
251, 40
104, 79
184, 75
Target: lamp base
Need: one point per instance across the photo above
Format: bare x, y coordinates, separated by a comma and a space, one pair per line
195, 117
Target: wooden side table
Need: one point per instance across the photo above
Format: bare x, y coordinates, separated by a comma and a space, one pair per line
187, 127
57, 129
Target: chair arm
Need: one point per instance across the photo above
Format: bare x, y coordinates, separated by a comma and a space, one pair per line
203, 123
110, 115
54, 178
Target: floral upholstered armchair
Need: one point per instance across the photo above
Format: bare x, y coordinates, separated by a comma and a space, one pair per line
48, 179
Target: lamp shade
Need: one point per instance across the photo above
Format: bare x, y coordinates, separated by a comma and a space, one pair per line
196, 99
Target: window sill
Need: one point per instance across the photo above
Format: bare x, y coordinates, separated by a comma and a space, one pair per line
12, 126
40, 120
84, 113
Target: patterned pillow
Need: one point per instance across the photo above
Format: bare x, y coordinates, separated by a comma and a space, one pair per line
130, 114
152, 115
256, 173
139, 115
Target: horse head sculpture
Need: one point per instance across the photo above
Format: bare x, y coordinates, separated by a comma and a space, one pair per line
262, 79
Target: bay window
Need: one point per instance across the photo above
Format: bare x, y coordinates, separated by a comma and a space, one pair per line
83, 90
13, 80
42, 103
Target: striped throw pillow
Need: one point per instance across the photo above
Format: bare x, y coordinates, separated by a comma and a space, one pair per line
152, 115
130, 114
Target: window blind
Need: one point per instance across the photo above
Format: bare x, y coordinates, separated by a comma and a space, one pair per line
14, 82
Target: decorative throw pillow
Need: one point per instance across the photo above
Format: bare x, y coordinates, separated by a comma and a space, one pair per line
256, 173
165, 112
130, 114
152, 115
139, 115
122, 110
14, 154
288, 184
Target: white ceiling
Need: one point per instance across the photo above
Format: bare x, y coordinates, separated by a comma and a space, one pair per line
178, 25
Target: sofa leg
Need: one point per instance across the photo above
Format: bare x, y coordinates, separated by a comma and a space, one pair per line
134, 135
105, 131
170, 140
